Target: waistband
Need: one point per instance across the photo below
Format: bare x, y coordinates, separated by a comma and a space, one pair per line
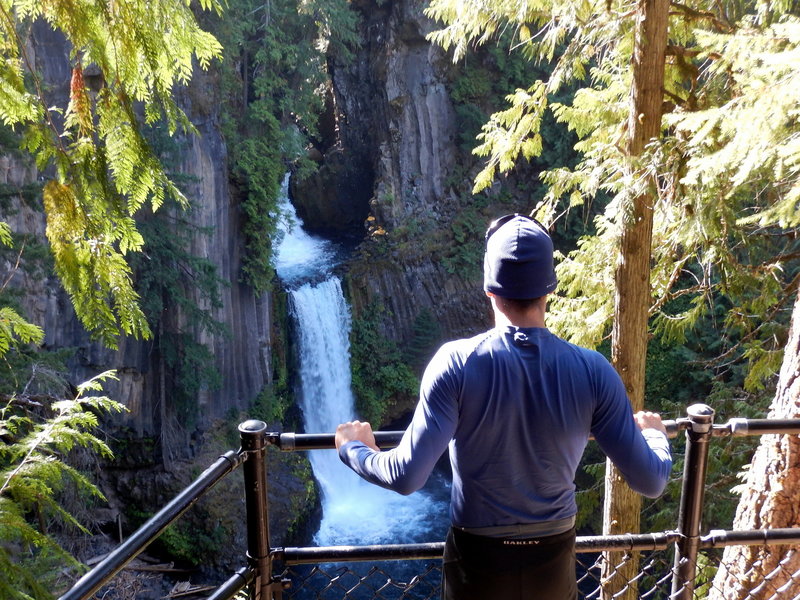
523, 530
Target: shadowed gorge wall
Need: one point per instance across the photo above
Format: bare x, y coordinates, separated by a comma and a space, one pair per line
395, 110
242, 353
161, 440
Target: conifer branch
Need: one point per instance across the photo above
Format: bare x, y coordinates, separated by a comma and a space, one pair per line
695, 289
27, 400
789, 293
669, 294
677, 100
698, 15
14, 268
26, 459
674, 50
21, 47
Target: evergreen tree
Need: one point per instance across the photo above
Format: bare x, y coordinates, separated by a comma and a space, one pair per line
719, 173
622, 506
98, 171
726, 165
37, 436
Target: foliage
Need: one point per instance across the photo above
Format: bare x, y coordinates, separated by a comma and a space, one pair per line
183, 541
126, 61
15, 332
338, 27
32, 368
32, 474
259, 168
465, 256
179, 294
179, 290
272, 403
426, 335
275, 85
14, 329
171, 276
379, 374
679, 375
29, 253
727, 165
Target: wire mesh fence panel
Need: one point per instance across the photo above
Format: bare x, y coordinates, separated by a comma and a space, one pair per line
652, 582
402, 580
750, 573
421, 580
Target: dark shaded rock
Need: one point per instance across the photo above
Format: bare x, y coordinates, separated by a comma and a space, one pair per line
335, 198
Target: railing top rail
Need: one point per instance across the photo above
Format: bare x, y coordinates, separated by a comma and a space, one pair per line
433, 550
741, 427
718, 538
289, 442
325, 554
583, 544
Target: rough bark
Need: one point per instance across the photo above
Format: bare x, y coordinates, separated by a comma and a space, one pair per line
632, 277
771, 498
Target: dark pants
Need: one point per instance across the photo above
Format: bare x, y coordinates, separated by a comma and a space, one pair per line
485, 568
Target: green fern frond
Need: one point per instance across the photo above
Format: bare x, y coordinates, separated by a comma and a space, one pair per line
14, 329
33, 474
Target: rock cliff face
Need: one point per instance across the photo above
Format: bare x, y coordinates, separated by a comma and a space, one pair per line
395, 120
156, 452
395, 112
243, 357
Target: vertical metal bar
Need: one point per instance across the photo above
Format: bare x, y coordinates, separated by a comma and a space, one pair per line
253, 436
701, 417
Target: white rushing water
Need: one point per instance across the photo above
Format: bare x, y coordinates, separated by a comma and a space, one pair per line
353, 511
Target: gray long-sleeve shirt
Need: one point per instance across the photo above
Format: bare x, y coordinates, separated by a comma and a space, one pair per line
516, 406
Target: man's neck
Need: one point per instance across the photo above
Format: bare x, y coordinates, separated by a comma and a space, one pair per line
533, 318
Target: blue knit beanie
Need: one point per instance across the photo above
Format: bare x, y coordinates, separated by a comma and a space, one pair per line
518, 263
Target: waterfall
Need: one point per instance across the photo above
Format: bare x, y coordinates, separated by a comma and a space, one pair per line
353, 511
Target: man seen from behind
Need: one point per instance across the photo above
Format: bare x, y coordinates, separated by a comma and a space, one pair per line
516, 405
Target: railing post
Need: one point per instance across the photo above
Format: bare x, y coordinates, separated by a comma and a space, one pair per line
253, 437
701, 419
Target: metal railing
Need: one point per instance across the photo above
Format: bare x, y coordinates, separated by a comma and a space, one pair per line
270, 571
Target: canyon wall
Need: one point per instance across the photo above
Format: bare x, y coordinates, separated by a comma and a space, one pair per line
391, 172
242, 356
158, 452
396, 120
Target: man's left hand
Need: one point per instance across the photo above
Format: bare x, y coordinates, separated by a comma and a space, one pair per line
355, 431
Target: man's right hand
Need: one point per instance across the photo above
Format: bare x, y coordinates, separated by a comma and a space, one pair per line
355, 431
649, 420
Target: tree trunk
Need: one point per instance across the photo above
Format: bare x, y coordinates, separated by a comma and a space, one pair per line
632, 277
771, 498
